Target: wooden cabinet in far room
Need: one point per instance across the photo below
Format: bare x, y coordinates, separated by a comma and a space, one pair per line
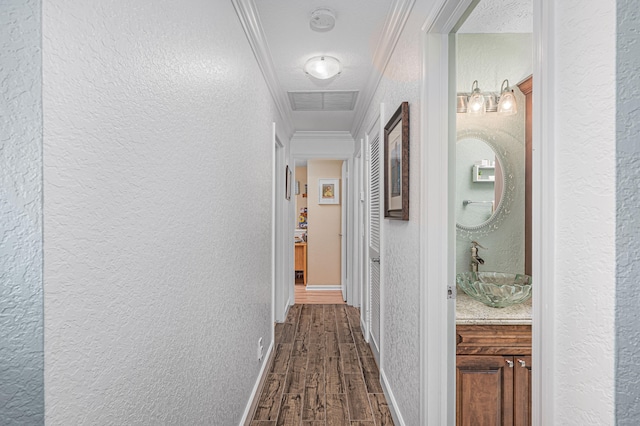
493, 375
300, 260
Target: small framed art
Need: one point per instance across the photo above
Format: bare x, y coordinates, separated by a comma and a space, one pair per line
328, 191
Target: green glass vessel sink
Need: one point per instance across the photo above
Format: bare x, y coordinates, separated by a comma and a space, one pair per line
495, 289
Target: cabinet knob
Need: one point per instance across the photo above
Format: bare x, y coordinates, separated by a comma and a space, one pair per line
522, 363
509, 363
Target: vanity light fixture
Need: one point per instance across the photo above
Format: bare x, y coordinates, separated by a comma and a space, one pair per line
476, 104
507, 104
323, 67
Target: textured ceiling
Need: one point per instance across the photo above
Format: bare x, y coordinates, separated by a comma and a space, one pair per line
353, 41
290, 42
500, 16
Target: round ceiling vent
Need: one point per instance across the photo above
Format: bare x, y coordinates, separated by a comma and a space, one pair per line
322, 20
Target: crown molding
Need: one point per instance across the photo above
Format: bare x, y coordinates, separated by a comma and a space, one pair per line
250, 20
398, 16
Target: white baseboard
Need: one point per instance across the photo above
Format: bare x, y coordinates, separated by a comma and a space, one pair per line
365, 332
253, 398
391, 400
323, 287
286, 310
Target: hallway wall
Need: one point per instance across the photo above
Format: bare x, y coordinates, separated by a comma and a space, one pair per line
21, 322
400, 244
157, 125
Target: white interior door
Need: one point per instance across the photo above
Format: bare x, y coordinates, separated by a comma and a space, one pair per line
373, 258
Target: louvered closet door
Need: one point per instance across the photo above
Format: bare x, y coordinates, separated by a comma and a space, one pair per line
374, 241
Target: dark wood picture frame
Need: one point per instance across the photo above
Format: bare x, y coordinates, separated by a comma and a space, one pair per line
396, 165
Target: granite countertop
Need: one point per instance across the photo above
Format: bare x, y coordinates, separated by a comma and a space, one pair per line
469, 311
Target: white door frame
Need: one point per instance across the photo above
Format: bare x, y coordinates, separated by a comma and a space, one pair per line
437, 221
365, 295
373, 130
344, 226
280, 286
356, 221
348, 237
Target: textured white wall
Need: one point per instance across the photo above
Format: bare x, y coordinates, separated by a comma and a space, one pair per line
400, 243
492, 58
585, 132
158, 135
21, 323
628, 221
322, 145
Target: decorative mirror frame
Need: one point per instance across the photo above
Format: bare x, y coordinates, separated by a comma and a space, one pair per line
504, 207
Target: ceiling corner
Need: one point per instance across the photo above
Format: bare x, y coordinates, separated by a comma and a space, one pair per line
250, 20
399, 13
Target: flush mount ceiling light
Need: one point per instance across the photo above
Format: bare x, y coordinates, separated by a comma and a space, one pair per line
507, 104
322, 20
323, 67
476, 105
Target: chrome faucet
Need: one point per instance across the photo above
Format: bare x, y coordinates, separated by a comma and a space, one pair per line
475, 259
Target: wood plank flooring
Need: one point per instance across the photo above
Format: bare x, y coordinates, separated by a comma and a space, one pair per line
304, 296
323, 372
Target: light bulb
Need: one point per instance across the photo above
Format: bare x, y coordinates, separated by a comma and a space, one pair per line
507, 104
323, 67
476, 101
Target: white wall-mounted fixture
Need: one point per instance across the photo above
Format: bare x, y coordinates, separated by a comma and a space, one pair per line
476, 105
323, 19
323, 67
507, 104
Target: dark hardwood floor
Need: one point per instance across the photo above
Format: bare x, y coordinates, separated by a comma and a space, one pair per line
323, 372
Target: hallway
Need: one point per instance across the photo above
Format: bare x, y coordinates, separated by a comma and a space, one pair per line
323, 372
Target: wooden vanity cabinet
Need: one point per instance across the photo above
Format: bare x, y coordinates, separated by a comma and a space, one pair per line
493, 375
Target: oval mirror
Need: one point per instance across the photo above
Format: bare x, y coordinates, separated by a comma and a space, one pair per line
479, 183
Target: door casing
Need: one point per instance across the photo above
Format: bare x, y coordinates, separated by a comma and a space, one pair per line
437, 338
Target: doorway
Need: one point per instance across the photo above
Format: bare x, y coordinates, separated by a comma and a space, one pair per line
490, 215
321, 229
439, 95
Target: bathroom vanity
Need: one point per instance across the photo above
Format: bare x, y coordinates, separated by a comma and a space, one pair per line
493, 363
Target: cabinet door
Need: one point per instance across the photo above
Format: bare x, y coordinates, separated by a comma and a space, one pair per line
484, 390
299, 257
522, 391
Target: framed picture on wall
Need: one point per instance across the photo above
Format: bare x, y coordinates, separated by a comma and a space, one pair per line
396, 165
328, 191
287, 188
